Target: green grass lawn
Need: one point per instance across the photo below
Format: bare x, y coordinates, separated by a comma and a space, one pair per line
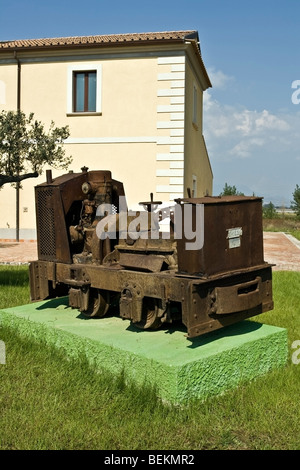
50, 402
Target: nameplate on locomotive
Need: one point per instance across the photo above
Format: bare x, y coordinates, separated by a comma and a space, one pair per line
234, 237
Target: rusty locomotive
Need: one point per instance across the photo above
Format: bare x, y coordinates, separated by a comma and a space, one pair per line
145, 276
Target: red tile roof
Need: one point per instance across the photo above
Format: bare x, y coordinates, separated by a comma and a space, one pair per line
110, 39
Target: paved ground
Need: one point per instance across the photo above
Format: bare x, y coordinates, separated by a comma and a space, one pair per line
279, 248
283, 250
17, 253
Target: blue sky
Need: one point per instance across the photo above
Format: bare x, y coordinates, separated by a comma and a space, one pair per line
251, 51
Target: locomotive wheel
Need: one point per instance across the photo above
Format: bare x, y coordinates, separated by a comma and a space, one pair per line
150, 311
99, 302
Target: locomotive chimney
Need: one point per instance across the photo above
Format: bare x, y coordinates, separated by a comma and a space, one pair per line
49, 176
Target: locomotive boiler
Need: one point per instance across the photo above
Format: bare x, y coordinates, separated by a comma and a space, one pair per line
205, 272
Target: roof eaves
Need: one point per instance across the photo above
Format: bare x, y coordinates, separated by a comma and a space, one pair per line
196, 47
85, 41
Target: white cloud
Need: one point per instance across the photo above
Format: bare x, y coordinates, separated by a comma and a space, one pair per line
265, 120
256, 150
244, 148
239, 130
244, 122
218, 78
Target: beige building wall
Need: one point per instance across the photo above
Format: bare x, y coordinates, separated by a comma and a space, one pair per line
170, 111
197, 169
8, 87
138, 131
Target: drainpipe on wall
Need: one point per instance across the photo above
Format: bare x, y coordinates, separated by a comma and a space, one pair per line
18, 184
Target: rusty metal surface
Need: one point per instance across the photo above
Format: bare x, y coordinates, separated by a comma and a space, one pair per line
149, 281
67, 206
233, 236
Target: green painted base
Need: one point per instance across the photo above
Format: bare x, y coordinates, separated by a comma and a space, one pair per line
179, 369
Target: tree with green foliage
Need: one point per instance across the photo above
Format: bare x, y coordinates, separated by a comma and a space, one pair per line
269, 211
295, 204
25, 147
230, 191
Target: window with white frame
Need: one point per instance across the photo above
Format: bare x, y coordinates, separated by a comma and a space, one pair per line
84, 89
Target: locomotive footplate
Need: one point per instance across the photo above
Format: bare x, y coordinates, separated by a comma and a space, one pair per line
149, 300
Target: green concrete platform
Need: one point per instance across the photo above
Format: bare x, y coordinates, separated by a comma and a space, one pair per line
179, 369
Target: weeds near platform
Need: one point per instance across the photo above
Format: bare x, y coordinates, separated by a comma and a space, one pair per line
283, 223
50, 402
